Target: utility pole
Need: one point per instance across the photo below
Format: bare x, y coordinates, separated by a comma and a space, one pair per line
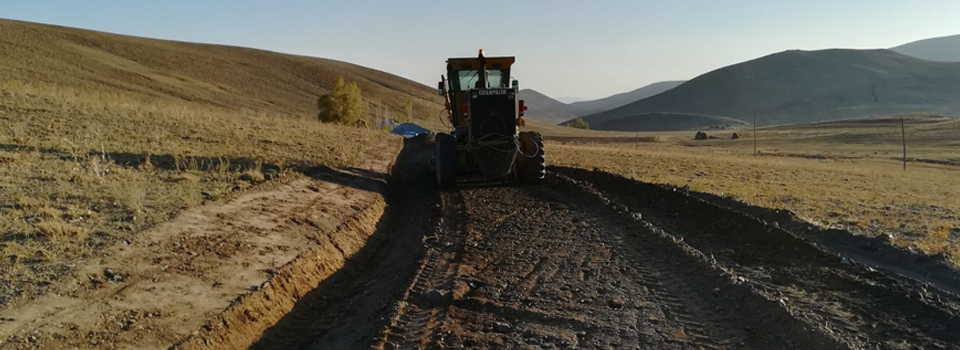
903, 136
638, 133
754, 134
819, 116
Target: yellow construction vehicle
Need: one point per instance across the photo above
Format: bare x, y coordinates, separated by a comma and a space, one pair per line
485, 113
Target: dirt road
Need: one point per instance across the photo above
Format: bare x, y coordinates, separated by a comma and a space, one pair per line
591, 260
586, 260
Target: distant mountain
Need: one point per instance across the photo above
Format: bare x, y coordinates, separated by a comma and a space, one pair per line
802, 86
545, 109
569, 100
944, 49
608, 103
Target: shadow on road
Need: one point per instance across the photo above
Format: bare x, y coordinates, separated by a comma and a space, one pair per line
350, 306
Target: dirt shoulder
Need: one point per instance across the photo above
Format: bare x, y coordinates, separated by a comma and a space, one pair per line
157, 289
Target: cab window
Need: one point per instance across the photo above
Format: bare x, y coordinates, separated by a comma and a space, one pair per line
467, 79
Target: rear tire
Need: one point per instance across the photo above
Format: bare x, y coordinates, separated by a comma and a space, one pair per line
446, 160
532, 168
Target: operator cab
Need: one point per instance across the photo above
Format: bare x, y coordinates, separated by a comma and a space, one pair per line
466, 74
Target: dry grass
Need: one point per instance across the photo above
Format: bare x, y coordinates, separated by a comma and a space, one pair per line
253, 176
8, 157
565, 131
103, 136
852, 182
57, 231
110, 168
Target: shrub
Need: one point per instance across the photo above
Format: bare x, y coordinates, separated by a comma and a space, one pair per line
185, 177
579, 123
8, 158
253, 176
343, 105
58, 231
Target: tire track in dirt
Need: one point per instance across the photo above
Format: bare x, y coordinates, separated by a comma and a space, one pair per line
565, 273
853, 303
421, 310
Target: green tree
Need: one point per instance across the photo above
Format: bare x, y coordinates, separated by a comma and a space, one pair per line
343, 105
579, 123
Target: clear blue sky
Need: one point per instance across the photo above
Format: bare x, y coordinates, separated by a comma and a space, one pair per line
585, 49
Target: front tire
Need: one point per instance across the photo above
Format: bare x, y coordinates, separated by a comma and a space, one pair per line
446, 153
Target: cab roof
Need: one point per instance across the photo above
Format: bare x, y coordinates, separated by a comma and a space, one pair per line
473, 63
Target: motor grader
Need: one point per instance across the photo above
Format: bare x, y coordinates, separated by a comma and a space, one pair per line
484, 111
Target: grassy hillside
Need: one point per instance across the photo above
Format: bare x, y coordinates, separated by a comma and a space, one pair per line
611, 102
943, 49
543, 108
218, 76
546, 109
106, 135
801, 86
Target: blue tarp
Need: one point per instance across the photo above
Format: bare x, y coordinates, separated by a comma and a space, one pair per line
409, 130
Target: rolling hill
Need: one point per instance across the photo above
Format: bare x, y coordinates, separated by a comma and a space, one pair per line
802, 86
546, 109
943, 49
214, 75
611, 102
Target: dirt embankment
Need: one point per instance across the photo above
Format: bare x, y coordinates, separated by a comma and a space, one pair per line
234, 268
357, 305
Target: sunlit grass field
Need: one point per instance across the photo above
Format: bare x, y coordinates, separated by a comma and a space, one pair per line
844, 175
82, 170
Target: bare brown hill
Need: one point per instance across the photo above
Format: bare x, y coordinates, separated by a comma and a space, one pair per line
222, 76
546, 109
614, 101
